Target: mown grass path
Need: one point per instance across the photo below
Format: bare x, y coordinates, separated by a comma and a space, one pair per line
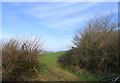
50, 69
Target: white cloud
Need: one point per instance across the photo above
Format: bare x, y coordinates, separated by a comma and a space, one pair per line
65, 24
53, 12
56, 10
77, 8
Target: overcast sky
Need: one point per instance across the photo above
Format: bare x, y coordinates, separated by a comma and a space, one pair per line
54, 22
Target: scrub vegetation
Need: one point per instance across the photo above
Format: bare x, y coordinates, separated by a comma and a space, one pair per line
20, 59
96, 49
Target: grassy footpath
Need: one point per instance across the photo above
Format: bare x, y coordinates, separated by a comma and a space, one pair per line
50, 70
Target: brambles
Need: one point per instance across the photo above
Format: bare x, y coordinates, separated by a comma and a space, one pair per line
19, 59
96, 49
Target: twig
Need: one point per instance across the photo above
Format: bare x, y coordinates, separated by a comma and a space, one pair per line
116, 79
36, 72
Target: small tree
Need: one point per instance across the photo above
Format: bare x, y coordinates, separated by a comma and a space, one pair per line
97, 46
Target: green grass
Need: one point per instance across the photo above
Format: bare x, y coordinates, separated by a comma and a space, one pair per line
50, 59
50, 70
85, 77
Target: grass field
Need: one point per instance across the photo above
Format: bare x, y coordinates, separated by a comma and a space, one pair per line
50, 70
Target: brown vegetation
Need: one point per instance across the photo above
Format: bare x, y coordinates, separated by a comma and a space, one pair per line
19, 59
96, 49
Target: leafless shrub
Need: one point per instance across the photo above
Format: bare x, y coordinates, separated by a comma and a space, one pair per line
19, 58
97, 47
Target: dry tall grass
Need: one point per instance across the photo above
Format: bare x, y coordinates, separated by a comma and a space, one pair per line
19, 59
